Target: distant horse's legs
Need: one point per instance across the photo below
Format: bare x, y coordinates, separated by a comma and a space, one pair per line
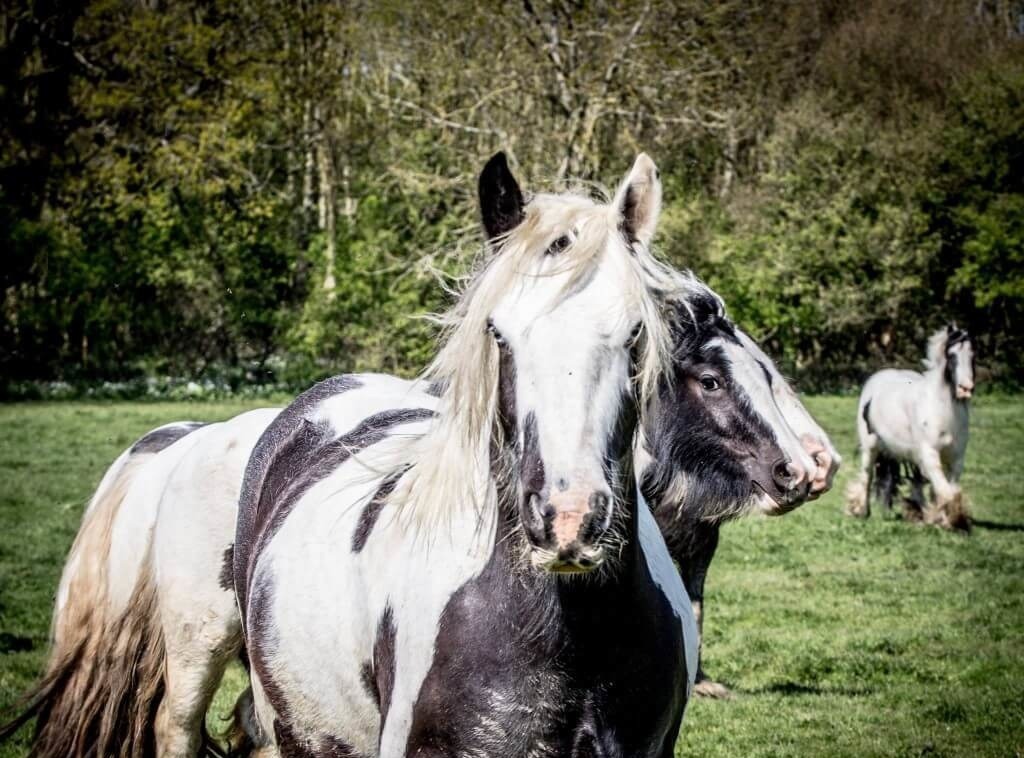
913, 506
931, 468
949, 510
858, 494
886, 478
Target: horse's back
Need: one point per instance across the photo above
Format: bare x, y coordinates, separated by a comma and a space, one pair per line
889, 382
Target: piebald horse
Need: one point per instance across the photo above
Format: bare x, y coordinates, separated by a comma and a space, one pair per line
505, 591
691, 463
178, 487
919, 421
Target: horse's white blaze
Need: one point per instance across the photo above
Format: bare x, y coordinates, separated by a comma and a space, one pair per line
571, 365
813, 438
748, 374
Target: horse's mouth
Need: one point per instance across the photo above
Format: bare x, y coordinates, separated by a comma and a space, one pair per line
776, 506
962, 393
583, 562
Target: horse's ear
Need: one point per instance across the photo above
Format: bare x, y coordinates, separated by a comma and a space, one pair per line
639, 200
501, 200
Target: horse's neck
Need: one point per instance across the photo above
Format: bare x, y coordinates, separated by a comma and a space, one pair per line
940, 399
935, 378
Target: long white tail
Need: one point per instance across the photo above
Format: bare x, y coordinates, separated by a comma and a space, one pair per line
104, 677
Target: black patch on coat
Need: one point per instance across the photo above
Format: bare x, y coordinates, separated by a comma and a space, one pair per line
559, 660
275, 439
160, 439
371, 511
532, 465
226, 578
307, 457
507, 391
384, 662
865, 414
369, 683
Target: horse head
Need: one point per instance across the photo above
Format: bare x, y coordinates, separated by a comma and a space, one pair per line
729, 434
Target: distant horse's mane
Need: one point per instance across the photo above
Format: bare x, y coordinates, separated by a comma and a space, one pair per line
935, 356
451, 462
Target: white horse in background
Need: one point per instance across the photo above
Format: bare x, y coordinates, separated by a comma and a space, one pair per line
919, 420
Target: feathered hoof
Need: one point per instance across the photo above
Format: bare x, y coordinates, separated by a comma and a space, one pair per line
708, 688
856, 499
912, 512
952, 514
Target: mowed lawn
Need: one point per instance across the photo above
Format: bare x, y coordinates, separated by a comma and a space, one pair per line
838, 637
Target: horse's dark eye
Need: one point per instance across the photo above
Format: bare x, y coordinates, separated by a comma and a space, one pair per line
493, 331
559, 245
710, 383
634, 334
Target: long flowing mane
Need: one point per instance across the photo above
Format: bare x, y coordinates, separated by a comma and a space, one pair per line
451, 461
935, 356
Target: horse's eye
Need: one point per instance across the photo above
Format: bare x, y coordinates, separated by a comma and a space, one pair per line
634, 334
559, 245
710, 383
493, 331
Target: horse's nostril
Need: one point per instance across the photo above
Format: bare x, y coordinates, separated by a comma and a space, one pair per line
547, 512
782, 474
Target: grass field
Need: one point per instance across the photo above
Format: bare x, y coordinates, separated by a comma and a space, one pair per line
839, 637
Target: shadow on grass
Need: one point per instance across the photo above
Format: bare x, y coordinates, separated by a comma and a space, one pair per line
797, 688
996, 526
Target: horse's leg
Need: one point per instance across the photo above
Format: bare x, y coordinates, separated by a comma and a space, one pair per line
195, 666
948, 510
202, 634
858, 494
693, 562
885, 482
913, 506
198, 611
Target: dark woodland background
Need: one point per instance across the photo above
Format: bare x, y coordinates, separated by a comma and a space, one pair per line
259, 192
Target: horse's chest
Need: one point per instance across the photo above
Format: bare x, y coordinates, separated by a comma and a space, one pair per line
504, 684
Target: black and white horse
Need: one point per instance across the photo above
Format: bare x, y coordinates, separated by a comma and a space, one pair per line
920, 422
162, 533
480, 579
702, 461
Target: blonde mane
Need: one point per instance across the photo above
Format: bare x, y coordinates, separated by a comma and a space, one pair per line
935, 356
451, 462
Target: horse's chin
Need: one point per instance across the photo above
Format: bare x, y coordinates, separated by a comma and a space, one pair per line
962, 394
585, 561
769, 506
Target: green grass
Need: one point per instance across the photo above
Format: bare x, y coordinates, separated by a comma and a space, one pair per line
839, 637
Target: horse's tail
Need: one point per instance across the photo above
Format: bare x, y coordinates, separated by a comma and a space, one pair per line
104, 677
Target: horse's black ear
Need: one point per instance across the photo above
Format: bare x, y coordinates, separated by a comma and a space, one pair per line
501, 200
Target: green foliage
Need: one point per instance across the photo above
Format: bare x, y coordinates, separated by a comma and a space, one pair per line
839, 637
827, 255
264, 189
